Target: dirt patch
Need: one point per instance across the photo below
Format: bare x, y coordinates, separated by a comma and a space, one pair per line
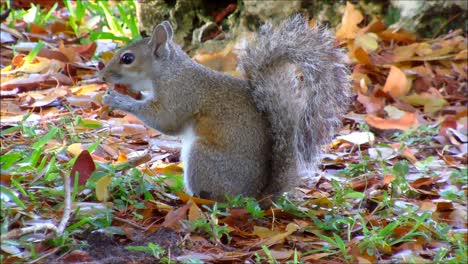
106, 249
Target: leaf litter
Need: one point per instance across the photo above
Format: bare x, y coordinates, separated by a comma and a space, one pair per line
392, 185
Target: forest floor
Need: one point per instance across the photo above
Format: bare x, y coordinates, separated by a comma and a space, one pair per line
392, 185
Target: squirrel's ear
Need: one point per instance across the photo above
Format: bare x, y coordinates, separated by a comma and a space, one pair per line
168, 28
159, 40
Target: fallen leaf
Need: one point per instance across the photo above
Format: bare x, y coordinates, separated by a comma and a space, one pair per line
397, 84
316, 256
361, 56
195, 213
35, 81
281, 254
358, 138
170, 169
401, 36
381, 153
431, 102
373, 104
404, 123
263, 232
102, 192
393, 112
185, 198
173, 218
369, 41
84, 166
279, 238
349, 23
75, 149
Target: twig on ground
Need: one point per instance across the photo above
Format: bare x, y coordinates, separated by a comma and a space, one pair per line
26, 230
67, 205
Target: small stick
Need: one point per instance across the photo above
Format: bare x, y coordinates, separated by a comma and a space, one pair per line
67, 206
26, 230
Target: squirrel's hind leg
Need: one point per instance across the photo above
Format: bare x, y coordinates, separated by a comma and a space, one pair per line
213, 175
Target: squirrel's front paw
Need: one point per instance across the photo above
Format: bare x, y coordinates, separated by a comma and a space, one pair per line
109, 98
116, 100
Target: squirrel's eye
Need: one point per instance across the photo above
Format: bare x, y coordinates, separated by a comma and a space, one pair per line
127, 58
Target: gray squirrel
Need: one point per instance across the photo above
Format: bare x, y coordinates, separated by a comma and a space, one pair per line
256, 136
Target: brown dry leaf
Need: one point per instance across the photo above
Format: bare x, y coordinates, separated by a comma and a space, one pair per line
77, 256
52, 55
185, 198
373, 104
35, 81
360, 255
232, 257
361, 56
406, 152
37, 29
450, 121
443, 205
316, 256
195, 213
18, 60
407, 121
280, 237
83, 168
58, 27
70, 53
404, 53
86, 51
281, 255
424, 182
349, 23
462, 55
397, 84
173, 218
237, 218
401, 36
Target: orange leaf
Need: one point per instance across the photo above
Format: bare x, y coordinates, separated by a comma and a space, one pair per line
397, 83
407, 121
361, 56
388, 178
185, 198
351, 18
122, 157
402, 36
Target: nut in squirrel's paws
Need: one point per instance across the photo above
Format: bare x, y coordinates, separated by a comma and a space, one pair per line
124, 89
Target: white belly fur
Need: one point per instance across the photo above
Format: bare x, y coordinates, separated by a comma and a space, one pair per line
188, 139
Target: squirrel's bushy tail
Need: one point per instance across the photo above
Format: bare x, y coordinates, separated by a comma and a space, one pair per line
299, 78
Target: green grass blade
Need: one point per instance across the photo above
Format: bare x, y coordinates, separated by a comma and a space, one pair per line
46, 138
